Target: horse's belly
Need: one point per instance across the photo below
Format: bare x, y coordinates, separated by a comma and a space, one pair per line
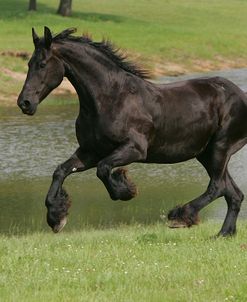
171, 155
173, 151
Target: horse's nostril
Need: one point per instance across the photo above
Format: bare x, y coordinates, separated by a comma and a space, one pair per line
25, 104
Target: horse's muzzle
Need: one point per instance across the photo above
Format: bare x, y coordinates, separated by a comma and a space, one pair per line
27, 107
57, 228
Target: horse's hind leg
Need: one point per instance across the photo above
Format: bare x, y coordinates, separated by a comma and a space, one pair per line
232, 194
187, 215
215, 160
234, 198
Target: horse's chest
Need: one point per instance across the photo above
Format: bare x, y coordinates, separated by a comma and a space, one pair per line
92, 138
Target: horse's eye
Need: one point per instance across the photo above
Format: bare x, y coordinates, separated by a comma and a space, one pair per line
42, 65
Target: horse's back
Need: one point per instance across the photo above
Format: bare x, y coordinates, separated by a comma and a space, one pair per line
191, 113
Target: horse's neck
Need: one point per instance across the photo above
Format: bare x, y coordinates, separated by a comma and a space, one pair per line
90, 78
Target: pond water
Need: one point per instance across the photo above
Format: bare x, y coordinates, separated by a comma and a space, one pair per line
32, 147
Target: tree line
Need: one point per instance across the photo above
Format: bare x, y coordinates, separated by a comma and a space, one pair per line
64, 8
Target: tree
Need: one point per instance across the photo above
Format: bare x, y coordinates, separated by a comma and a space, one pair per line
64, 8
32, 5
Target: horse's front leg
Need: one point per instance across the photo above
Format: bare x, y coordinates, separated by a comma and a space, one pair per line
117, 183
57, 200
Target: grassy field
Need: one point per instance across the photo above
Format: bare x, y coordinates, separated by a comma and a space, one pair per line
134, 263
172, 31
129, 263
156, 32
168, 37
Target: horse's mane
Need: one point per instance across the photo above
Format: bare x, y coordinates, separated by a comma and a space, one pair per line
107, 48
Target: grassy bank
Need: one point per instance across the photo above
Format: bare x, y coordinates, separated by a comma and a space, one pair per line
137, 263
168, 37
164, 31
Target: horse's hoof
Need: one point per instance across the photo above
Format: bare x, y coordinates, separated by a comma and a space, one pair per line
125, 189
182, 217
176, 224
125, 194
58, 228
225, 234
130, 192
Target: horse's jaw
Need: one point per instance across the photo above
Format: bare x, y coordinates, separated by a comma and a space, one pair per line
29, 112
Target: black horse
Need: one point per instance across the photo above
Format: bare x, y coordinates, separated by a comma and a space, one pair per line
124, 118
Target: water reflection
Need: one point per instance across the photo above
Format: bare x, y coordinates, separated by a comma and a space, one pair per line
32, 147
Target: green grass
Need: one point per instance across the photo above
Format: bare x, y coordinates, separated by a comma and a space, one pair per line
175, 30
167, 37
135, 263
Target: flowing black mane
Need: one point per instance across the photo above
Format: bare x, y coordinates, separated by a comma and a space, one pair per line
107, 48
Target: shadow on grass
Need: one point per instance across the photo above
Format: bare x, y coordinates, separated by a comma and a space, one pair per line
18, 9
97, 17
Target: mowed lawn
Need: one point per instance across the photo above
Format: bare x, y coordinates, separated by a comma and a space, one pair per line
165, 37
180, 31
127, 263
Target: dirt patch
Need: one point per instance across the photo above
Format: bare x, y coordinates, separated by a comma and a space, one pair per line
17, 54
169, 69
12, 74
196, 65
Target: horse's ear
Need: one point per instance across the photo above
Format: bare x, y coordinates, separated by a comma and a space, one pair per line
35, 38
47, 37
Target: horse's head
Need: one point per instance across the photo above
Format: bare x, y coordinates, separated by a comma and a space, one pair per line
45, 73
